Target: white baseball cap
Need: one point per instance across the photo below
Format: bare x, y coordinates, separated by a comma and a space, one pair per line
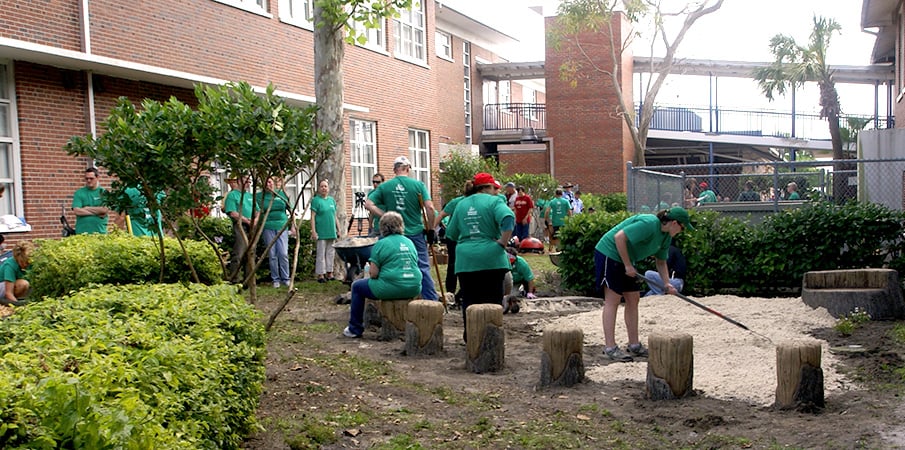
402, 160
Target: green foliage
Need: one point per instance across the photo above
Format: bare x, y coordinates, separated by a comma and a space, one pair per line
218, 230
728, 254
614, 202
457, 167
133, 367
847, 324
538, 186
62, 266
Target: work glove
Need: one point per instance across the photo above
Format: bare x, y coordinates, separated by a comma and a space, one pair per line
430, 236
531, 296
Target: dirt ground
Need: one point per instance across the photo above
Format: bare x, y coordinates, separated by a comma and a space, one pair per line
315, 376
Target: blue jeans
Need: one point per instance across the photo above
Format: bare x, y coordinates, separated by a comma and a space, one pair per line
279, 255
427, 283
521, 231
678, 283
360, 291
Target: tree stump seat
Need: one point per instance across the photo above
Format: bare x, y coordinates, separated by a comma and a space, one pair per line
424, 328
875, 291
389, 315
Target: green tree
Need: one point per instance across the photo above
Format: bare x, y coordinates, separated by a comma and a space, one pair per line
596, 16
796, 64
457, 167
334, 26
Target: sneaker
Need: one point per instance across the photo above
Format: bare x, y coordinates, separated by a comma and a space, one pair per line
349, 334
616, 354
276, 284
321, 280
637, 350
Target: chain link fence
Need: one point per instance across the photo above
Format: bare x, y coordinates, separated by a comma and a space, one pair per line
754, 189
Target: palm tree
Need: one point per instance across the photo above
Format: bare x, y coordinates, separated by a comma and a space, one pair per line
796, 64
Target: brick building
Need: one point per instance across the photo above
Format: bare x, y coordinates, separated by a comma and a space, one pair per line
63, 63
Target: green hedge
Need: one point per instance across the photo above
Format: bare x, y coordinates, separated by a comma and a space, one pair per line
62, 266
729, 255
133, 367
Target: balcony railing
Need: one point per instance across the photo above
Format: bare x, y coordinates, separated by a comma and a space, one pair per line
515, 116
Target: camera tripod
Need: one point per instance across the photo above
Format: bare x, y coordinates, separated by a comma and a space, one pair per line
359, 213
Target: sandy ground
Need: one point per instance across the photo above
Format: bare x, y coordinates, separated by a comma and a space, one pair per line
729, 362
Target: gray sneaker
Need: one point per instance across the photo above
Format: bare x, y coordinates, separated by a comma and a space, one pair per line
616, 354
349, 334
637, 350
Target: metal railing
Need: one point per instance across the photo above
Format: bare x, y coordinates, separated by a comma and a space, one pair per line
751, 122
515, 116
657, 187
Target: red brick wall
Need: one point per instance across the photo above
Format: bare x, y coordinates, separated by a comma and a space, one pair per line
221, 42
526, 162
589, 136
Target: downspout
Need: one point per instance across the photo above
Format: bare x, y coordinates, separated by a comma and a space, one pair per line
85, 26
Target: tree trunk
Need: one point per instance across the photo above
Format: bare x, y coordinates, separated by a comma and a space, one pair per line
328, 90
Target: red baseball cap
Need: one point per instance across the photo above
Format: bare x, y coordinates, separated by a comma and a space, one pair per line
482, 178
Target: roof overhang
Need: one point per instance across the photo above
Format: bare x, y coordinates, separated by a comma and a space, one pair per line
450, 19
512, 71
68, 59
881, 14
741, 69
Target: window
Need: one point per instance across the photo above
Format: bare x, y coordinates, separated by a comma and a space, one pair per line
466, 61
298, 12
505, 95
373, 38
443, 45
255, 6
11, 202
291, 187
363, 143
408, 33
419, 153
529, 96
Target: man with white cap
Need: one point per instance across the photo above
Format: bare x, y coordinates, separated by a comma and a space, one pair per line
400, 194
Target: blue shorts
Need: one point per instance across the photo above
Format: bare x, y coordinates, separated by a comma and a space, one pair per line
611, 273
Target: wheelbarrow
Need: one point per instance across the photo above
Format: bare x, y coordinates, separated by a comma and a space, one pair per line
355, 252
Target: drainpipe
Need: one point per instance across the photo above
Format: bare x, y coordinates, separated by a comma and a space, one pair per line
85, 26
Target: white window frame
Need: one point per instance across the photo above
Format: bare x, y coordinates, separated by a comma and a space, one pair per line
443, 45
376, 37
11, 203
529, 97
363, 155
253, 6
505, 93
297, 12
420, 155
409, 34
291, 188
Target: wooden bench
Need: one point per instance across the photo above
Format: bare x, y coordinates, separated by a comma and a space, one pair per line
875, 291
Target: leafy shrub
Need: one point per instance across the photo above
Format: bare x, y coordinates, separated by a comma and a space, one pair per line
62, 266
847, 324
154, 366
614, 202
459, 166
218, 229
577, 241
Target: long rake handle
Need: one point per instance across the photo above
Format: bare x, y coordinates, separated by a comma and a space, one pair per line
699, 305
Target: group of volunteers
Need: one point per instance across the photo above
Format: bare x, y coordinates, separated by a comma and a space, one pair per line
479, 225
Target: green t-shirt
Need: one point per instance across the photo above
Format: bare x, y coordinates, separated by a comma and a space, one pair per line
323, 210
521, 271
707, 196
143, 222
794, 196
559, 209
10, 270
399, 276
277, 216
401, 195
233, 198
83, 198
475, 226
645, 239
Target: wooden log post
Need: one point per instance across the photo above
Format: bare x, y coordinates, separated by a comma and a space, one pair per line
670, 366
424, 328
392, 313
799, 376
562, 363
486, 342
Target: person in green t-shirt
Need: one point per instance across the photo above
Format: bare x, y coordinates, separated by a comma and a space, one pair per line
142, 221
520, 277
443, 218
324, 230
273, 204
14, 286
706, 195
406, 195
792, 189
88, 205
393, 270
238, 206
615, 255
481, 226
557, 210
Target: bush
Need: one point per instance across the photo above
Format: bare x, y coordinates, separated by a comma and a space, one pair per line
725, 254
62, 266
615, 202
162, 366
